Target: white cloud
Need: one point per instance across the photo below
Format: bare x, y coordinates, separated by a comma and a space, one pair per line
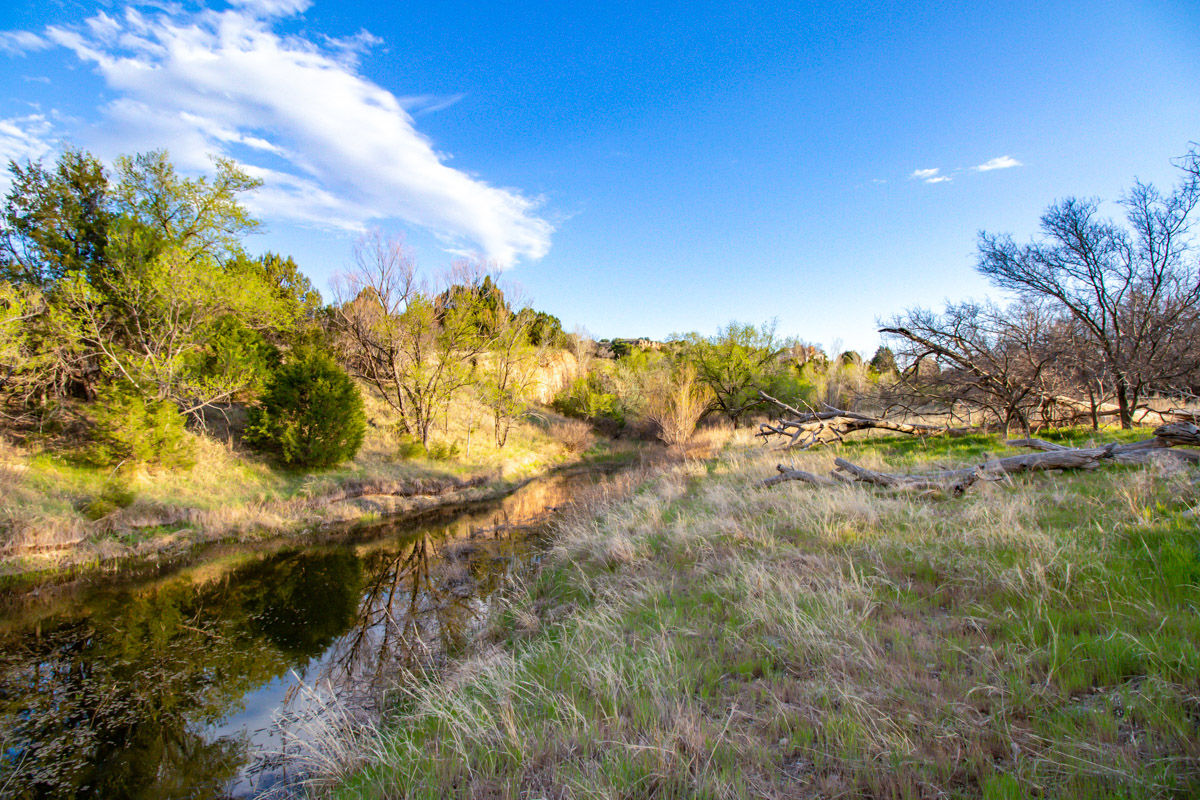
335, 148
422, 104
272, 8
931, 175
18, 43
1000, 162
22, 139
351, 48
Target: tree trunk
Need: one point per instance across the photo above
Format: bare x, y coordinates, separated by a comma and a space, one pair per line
1126, 414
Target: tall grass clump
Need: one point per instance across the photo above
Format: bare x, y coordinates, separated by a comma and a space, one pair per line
675, 403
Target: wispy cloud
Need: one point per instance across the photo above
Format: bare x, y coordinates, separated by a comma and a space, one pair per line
422, 104
335, 148
23, 139
931, 175
1000, 162
18, 43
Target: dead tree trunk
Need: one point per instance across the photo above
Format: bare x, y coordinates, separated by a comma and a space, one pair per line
1050, 456
809, 429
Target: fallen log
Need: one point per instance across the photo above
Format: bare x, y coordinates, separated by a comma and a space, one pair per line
1166, 437
954, 482
1178, 433
809, 429
1049, 456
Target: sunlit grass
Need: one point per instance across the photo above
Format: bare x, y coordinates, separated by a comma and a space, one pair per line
708, 637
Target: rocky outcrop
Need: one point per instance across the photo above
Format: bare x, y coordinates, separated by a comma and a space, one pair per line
554, 374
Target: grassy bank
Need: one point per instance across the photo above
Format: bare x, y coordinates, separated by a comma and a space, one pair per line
706, 637
57, 510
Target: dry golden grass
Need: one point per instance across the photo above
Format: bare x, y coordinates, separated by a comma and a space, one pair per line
708, 637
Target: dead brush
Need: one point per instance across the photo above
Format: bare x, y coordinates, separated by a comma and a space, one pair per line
40, 534
574, 434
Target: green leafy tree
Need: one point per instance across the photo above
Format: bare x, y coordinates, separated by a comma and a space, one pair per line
850, 358
233, 355
296, 303
310, 414
153, 315
545, 329
736, 363
174, 285
474, 302
54, 224
18, 306
587, 399
202, 218
884, 361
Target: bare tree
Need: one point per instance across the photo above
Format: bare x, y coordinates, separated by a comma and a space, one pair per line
369, 300
583, 347
1133, 290
412, 345
996, 359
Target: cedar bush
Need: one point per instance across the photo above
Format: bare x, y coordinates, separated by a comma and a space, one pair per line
310, 415
129, 428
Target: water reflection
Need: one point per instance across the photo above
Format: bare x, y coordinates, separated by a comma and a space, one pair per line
173, 688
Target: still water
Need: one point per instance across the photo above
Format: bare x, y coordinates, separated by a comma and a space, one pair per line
189, 680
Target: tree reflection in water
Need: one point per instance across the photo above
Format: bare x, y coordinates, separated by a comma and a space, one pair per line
159, 691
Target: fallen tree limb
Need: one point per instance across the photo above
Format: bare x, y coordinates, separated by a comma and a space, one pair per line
1165, 437
954, 482
786, 474
808, 429
1049, 456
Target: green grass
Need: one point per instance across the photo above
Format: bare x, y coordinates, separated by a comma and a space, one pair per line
707, 637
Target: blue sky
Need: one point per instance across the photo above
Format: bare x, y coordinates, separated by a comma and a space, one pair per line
640, 168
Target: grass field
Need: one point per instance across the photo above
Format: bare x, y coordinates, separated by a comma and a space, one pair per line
702, 636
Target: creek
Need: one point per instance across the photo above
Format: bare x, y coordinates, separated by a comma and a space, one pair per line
194, 678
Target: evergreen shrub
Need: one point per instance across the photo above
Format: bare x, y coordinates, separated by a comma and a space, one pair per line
310, 414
